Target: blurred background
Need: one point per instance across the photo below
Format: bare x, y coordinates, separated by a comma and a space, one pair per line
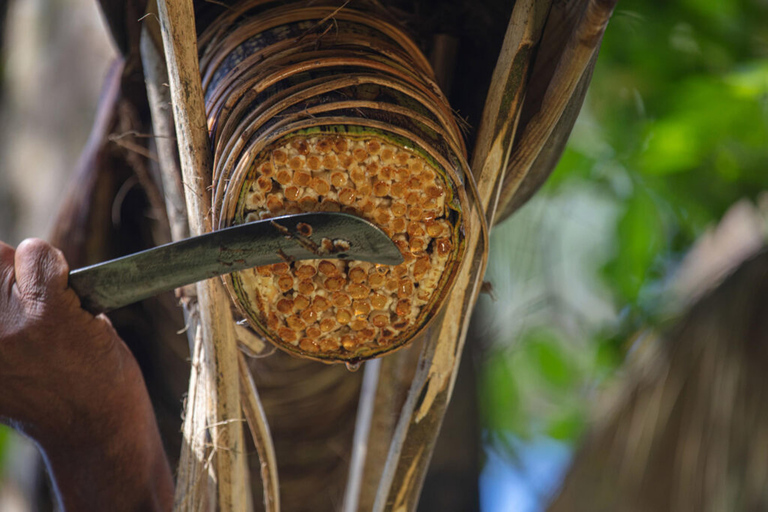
672, 136
54, 58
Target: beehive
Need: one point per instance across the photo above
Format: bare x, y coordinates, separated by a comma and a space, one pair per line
317, 107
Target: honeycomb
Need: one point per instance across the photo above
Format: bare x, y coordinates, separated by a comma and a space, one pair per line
348, 310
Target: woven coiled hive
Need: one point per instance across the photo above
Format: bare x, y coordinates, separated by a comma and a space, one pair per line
314, 106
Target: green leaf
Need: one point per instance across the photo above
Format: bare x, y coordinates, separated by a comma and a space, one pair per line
500, 398
716, 10
543, 350
573, 165
568, 426
5, 440
673, 146
640, 238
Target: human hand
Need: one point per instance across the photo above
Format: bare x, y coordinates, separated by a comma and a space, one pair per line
69, 382
59, 364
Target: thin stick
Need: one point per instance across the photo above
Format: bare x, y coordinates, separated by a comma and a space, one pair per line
423, 412
196, 480
156, 74
179, 42
396, 377
362, 431
218, 337
262, 438
195, 487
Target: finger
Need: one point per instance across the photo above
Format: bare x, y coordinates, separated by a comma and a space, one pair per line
7, 254
41, 270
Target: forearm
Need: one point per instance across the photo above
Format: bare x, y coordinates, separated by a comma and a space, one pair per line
70, 383
114, 465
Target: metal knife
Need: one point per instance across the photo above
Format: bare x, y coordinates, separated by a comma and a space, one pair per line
323, 235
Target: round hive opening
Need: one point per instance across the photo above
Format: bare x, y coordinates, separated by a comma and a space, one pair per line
349, 309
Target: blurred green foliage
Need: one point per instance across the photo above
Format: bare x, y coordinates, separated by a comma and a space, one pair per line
673, 132
680, 97
5, 437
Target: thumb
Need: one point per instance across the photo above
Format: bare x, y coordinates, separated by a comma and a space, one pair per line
41, 270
